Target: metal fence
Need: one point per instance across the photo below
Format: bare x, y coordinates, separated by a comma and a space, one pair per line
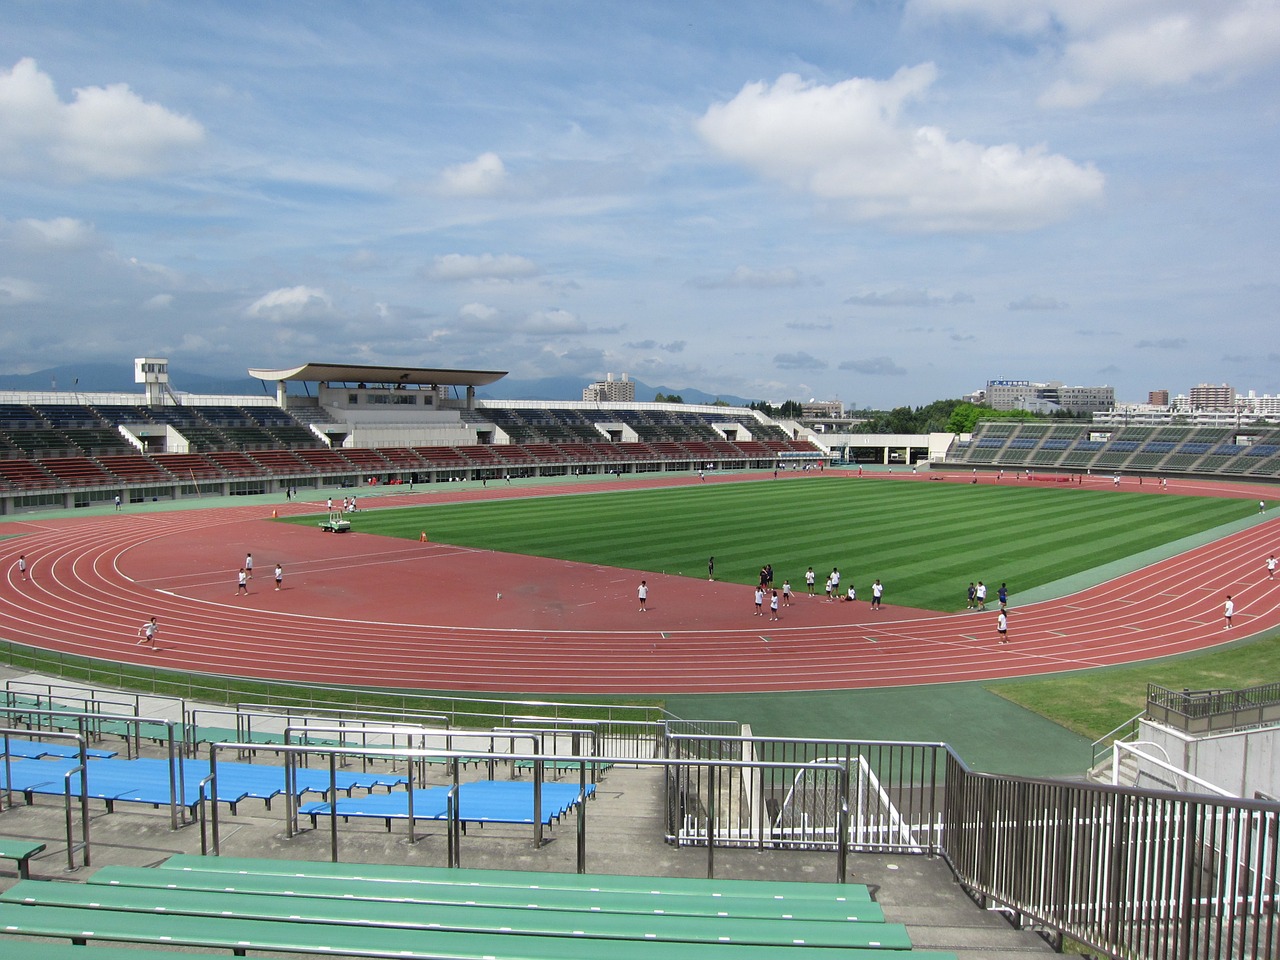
1135, 873
1208, 711
1139, 874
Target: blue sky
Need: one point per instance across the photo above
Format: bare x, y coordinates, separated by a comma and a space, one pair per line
881, 202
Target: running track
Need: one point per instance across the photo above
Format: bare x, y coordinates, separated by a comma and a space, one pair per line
359, 610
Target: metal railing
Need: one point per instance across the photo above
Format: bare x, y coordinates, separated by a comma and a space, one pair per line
1208, 711
1134, 873
1157, 875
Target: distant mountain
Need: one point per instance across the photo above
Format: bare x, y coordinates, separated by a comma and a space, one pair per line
118, 378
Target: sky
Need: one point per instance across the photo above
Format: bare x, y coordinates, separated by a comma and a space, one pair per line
880, 202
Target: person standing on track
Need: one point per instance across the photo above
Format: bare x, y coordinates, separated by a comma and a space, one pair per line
22, 565
1271, 567
1228, 611
877, 591
759, 602
786, 593
1002, 625
279, 576
809, 579
643, 593
773, 606
972, 596
148, 633
248, 565
1003, 595
711, 568
242, 583
980, 595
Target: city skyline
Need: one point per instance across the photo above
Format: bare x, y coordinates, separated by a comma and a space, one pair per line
887, 202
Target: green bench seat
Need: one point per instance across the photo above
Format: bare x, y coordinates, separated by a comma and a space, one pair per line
465, 918
779, 891
21, 852
522, 897
82, 924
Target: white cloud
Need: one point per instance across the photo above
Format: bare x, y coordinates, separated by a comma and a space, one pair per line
161, 301
485, 266
551, 323
874, 367
288, 302
17, 290
848, 144
482, 177
108, 132
753, 278
1034, 302
477, 311
905, 297
58, 232
1142, 43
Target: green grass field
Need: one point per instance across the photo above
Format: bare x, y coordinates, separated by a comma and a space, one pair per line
925, 541
1094, 702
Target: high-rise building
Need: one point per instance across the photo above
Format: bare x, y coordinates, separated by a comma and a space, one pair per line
1158, 398
1209, 396
610, 390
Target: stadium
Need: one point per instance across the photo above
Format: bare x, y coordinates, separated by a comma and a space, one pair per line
441, 664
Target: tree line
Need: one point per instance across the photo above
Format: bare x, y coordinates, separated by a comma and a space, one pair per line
941, 416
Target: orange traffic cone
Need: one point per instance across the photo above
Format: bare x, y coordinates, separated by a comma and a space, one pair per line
423, 538
274, 515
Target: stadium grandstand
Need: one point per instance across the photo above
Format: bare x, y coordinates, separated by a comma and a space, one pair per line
1071, 448
362, 425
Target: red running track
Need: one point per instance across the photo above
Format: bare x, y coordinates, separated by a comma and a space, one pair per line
366, 611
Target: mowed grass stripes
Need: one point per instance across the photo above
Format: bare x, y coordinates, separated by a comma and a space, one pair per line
924, 541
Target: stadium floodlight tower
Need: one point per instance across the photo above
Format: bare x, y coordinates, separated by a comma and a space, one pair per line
154, 372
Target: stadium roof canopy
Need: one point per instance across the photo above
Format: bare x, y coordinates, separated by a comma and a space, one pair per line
360, 373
